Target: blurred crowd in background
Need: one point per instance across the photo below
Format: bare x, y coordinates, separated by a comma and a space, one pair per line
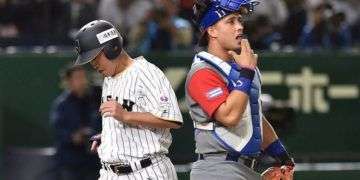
157, 25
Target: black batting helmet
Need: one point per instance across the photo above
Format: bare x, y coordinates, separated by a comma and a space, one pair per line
97, 36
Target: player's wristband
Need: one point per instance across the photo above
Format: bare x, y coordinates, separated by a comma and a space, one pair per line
235, 66
241, 80
278, 151
238, 67
285, 159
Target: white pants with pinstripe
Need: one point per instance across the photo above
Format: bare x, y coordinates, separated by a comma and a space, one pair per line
162, 169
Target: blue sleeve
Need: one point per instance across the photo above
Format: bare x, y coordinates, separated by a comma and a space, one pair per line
346, 37
95, 122
305, 38
95, 116
59, 121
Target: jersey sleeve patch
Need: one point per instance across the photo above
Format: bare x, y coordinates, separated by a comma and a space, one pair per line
213, 93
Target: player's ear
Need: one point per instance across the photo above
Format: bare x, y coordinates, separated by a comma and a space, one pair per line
212, 32
102, 55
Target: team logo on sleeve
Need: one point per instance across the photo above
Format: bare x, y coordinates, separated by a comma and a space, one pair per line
213, 93
164, 105
164, 99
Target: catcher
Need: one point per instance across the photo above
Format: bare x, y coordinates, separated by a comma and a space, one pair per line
223, 90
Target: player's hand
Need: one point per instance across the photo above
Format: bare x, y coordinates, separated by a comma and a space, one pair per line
287, 173
79, 136
246, 58
272, 173
113, 109
96, 141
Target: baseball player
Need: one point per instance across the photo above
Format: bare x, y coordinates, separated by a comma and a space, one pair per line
223, 90
138, 107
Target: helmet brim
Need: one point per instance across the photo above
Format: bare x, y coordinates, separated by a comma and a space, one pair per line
87, 56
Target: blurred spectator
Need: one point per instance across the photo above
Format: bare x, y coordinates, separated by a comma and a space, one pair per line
184, 33
162, 38
155, 32
263, 35
264, 25
182, 28
124, 14
315, 34
351, 9
75, 118
340, 33
25, 20
295, 23
163, 29
355, 33
275, 10
8, 28
44, 22
66, 17
311, 4
186, 9
165, 24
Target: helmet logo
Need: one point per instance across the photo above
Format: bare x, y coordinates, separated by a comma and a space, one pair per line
107, 35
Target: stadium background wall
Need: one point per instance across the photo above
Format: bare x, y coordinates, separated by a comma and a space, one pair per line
324, 88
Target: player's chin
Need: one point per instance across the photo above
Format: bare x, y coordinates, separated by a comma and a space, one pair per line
105, 74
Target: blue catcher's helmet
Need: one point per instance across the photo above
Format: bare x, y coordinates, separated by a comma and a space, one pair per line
220, 8
234, 5
208, 12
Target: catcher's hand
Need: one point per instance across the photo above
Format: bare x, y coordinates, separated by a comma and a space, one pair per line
278, 173
287, 172
272, 173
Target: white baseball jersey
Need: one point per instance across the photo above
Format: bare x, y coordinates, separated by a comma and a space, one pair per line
142, 87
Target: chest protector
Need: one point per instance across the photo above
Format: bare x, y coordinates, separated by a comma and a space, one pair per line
246, 137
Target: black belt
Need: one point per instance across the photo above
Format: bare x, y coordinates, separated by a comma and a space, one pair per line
248, 161
125, 168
